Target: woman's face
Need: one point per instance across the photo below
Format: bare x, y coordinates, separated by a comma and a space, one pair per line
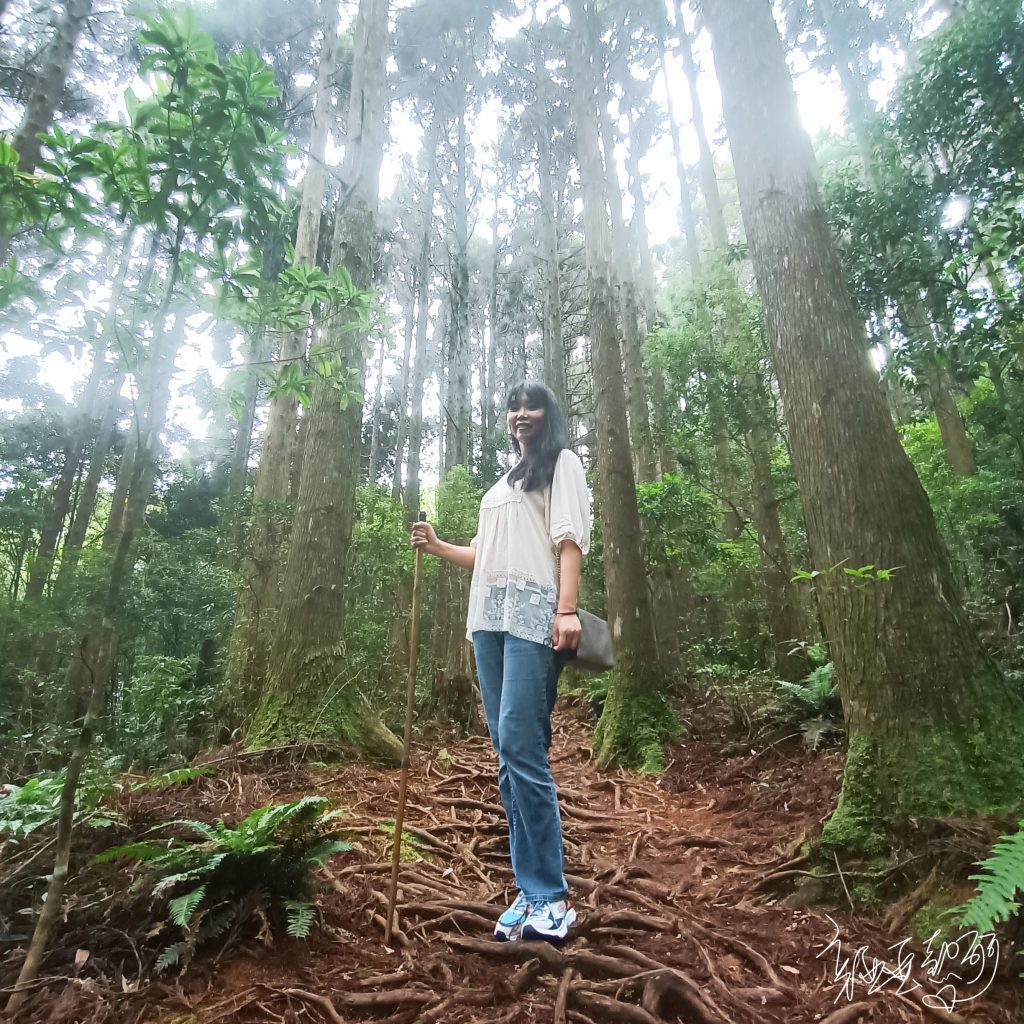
525, 416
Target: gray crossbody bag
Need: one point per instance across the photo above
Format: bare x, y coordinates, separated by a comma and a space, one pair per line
594, 654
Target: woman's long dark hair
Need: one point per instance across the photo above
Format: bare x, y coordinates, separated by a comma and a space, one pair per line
537, 469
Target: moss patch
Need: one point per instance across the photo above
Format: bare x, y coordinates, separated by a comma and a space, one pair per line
635, 722
935, 916
931, 773
322, 707
410, 849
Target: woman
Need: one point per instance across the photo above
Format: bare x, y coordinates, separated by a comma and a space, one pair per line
520, 614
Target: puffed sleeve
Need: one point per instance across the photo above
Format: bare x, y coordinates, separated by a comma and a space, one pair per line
570, 502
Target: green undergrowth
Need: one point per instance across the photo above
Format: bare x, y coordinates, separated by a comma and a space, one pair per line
221, 882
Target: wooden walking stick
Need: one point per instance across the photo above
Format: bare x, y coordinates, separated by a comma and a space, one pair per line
410, 696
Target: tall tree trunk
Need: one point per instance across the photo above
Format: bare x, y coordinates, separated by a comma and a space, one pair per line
378, 395
452, 693
257, 350
953, 430
74, 541
934, 728
309, 695
487, 467
241, 448
687, 219
635, 718
858, 99
554, 350
457, 425
411, 494
913, 311
81, 429
639, 239
256, 612
139, 461
645, 468
782, 599
59, 506
49, 84
725, 470
492, 390
708, 178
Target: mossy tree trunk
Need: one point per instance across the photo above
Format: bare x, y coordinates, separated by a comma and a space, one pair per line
266, 541
636, 718
311, 693
934, 728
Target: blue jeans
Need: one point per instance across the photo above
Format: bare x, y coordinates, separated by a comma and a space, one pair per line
518, 683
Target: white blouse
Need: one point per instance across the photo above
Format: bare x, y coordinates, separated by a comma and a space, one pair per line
514, 582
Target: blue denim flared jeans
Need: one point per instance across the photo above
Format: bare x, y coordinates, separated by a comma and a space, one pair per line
518, 683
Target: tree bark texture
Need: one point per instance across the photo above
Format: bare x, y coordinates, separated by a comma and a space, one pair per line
310, 694
933, 726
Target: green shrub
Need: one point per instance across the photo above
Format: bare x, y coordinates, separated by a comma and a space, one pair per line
262, 868
26, 808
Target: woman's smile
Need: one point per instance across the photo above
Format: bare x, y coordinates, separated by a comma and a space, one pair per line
523, 422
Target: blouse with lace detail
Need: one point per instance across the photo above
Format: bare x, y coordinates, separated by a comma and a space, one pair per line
514, 585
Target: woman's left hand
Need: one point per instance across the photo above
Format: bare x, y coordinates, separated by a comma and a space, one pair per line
566, 632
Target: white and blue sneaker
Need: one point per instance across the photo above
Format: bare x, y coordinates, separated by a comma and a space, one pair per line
510, 925
550, 921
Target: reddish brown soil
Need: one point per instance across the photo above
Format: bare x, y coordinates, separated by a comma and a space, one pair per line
678, 923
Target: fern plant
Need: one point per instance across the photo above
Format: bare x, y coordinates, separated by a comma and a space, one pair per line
812, 705
999, 883
816, 691
262, 869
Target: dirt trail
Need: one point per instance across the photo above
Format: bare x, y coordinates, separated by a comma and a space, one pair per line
668, 877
